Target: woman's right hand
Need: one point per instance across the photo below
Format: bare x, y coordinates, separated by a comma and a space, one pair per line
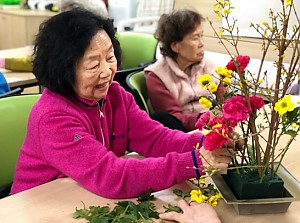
193, 213
215, 160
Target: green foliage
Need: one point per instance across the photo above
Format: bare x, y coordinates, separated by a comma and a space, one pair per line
181, 193
148, 196
171, 208
124, 211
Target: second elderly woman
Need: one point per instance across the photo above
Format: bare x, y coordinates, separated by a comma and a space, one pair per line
172, 81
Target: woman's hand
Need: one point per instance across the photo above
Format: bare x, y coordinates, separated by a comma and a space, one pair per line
193, 213
215, 160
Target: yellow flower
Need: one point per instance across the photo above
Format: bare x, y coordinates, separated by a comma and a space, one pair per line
284, 105
204, 80
196, 195
224, 72
226, 11
227, 81
212, 87
260, 81
294, 125
265, 23
288, 2
213, 200
205, 102
202, 179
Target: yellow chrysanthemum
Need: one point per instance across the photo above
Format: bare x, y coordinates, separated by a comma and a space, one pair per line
284, 105
196, 195
205, 80
227, 81
212, 87
224, 72
205, 102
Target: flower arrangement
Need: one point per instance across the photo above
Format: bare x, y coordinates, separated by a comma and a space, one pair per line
263, 115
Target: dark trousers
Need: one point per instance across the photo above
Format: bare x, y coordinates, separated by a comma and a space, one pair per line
168, 120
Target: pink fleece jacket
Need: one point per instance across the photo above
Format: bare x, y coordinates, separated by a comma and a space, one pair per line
85, 140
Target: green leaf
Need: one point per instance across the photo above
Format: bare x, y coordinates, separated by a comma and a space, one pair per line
171, 208
292, 133
181, 193
147, 196
80, 213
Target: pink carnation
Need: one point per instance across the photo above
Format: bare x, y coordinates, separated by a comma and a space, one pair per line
236, 109
214, 140
243, 63
203, 120
256, 102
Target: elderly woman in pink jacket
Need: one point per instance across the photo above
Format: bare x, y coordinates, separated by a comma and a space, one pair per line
84, 122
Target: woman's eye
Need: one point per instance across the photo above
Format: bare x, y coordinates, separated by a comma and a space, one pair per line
94, 67
111, 59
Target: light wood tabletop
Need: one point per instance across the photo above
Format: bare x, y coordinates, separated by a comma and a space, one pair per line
18, 79
57, 200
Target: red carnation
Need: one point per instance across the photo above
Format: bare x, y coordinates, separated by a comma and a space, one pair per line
256, 102
243, 63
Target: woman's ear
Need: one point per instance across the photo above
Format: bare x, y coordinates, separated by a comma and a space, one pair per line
175, 47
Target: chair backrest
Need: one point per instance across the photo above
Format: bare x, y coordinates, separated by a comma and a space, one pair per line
121, 76
137, 48
137, 83
14, 112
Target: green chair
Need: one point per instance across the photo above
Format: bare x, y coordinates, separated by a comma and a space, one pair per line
14, 112
137, 48
137, 83
121, 76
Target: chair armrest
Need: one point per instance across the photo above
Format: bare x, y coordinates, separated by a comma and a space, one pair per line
15, 91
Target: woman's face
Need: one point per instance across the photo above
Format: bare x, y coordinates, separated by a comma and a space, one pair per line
95, 71
191, 48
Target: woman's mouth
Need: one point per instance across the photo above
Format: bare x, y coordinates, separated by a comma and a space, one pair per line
103, 85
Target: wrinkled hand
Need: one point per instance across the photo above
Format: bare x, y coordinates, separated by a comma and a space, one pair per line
235, 141
215, 160
193, 213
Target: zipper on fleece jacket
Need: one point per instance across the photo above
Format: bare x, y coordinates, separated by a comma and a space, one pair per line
101, 115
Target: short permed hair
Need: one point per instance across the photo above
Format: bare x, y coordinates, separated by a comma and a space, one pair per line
173, 27
62, 42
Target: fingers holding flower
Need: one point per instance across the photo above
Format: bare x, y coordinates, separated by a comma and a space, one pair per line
215, 160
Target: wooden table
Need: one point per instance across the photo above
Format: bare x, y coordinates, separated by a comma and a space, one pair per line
18, 79
56, 201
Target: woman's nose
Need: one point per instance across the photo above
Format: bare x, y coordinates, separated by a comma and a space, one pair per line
201, 42
105, 69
